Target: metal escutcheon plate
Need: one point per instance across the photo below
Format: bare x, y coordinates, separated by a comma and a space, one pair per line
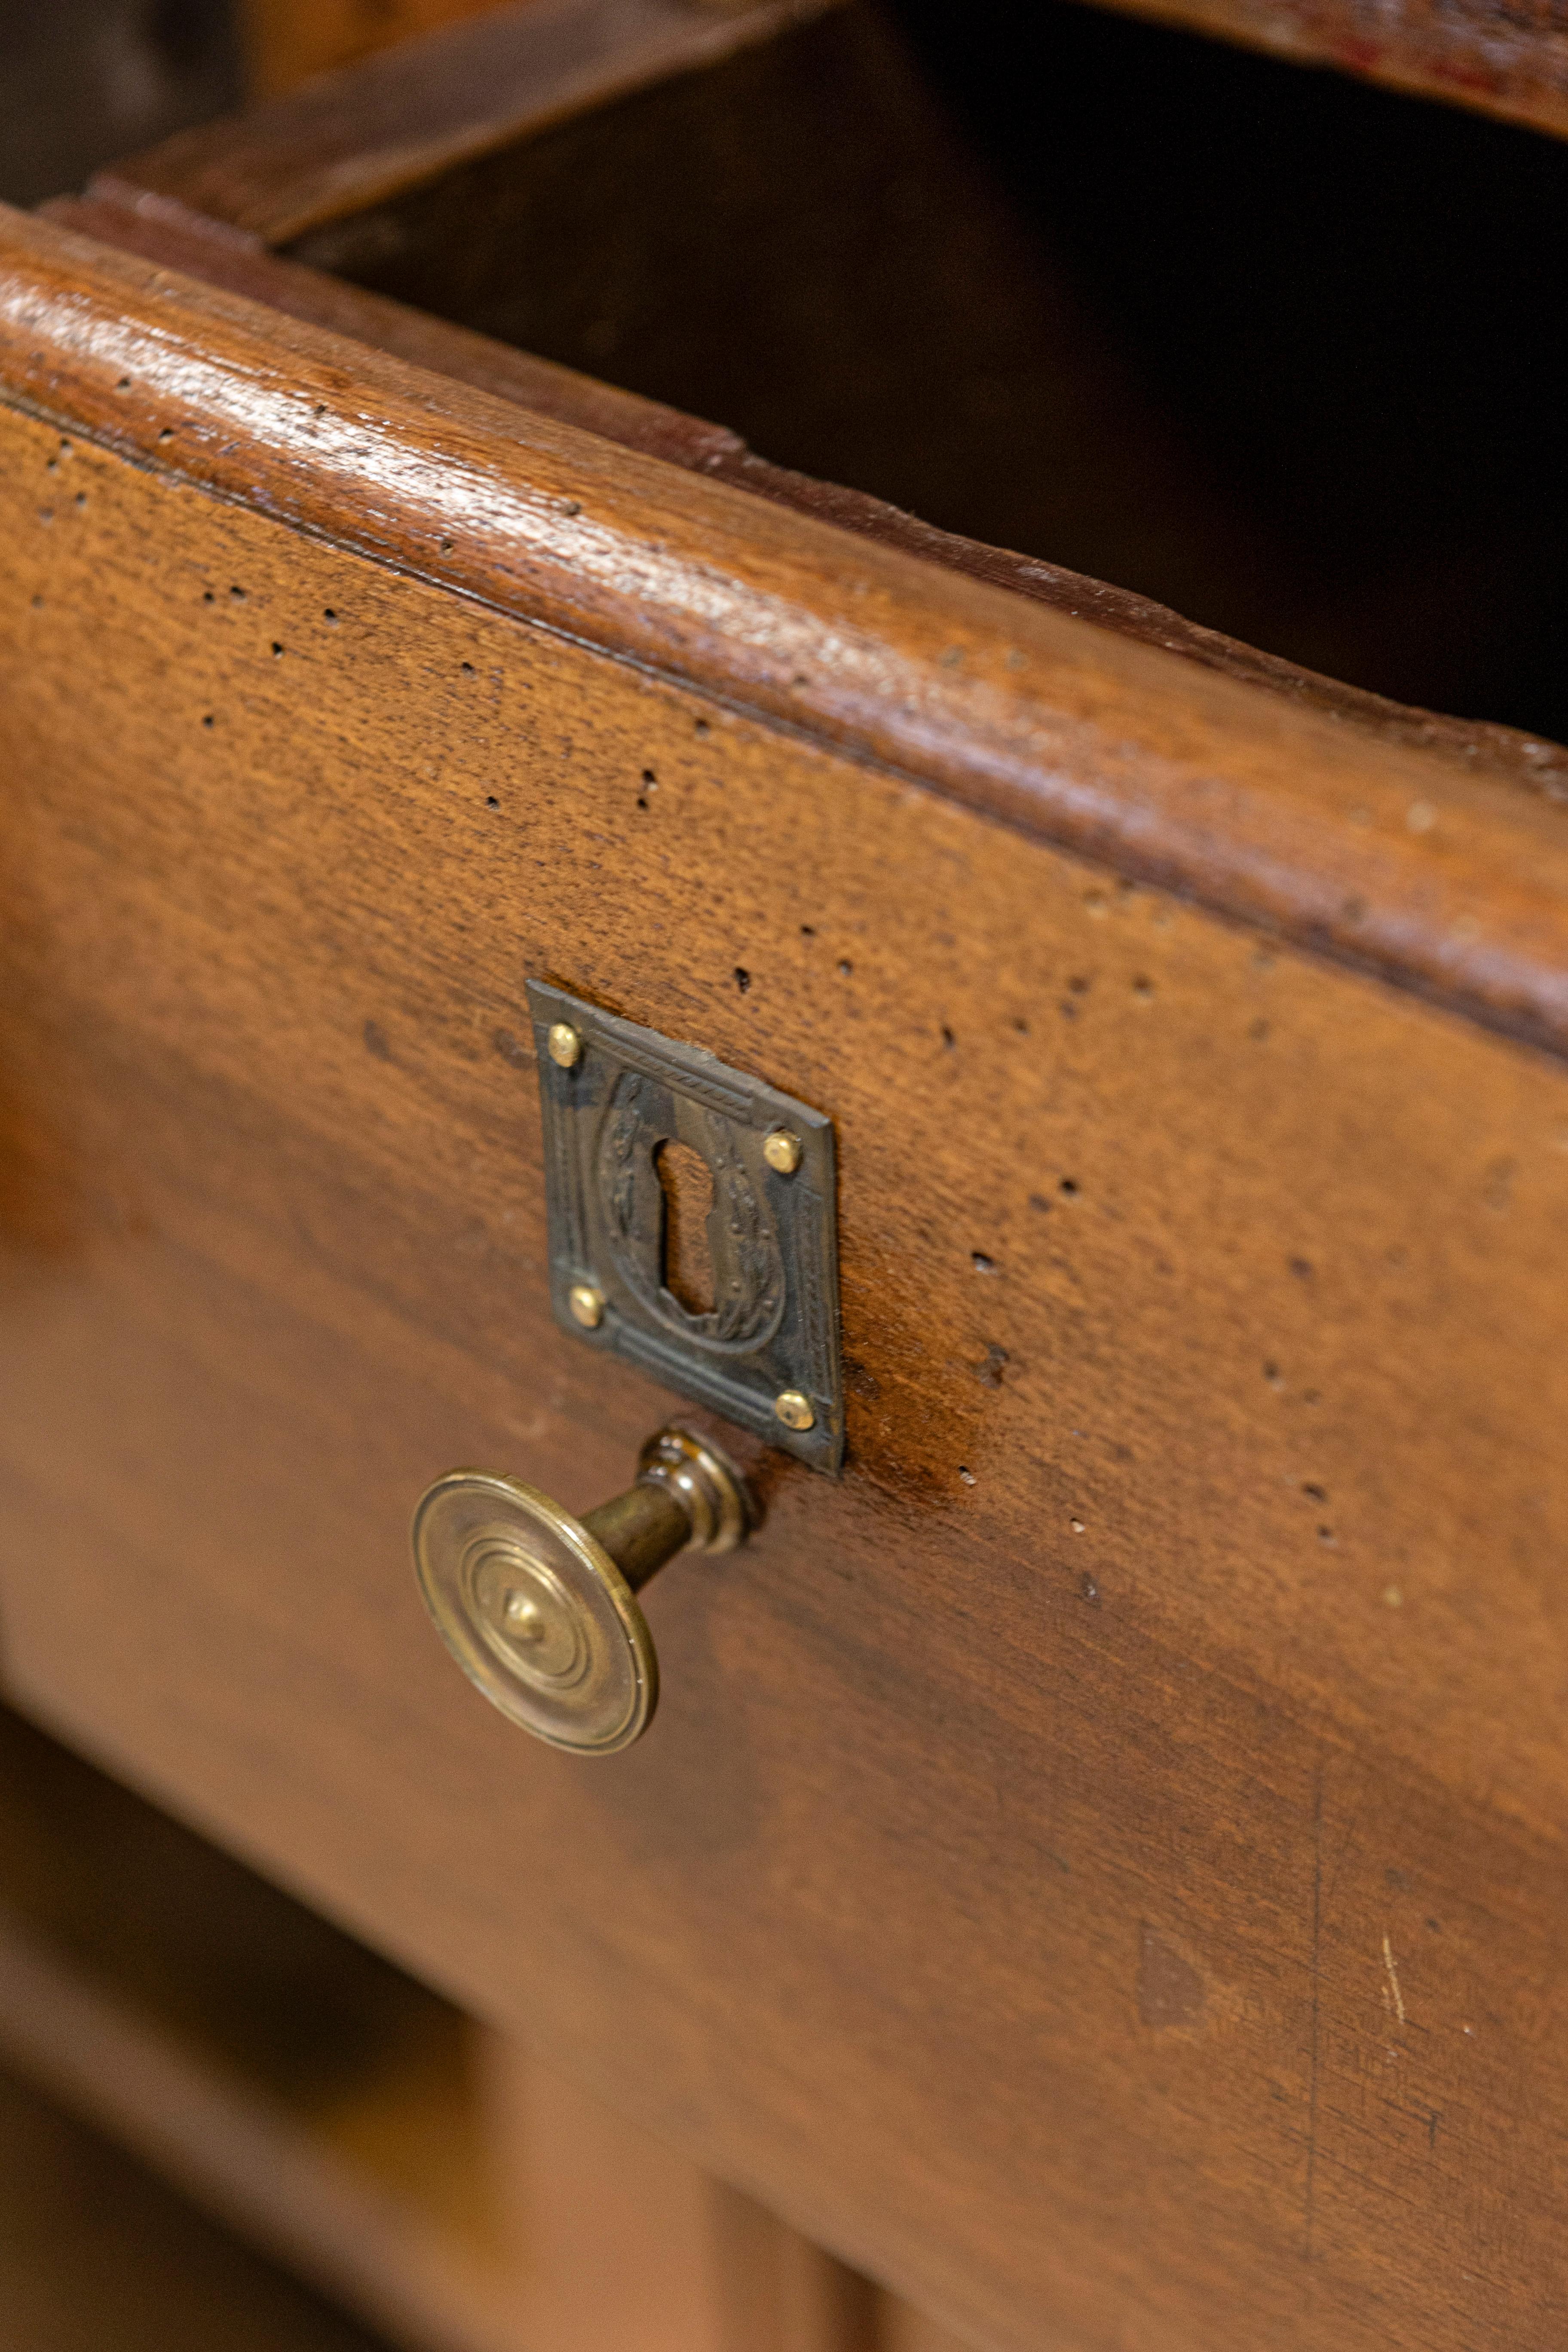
535, 1612
766, 1352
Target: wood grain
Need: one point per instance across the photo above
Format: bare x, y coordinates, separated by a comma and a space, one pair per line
1099, 1868
1431, 867
350, 139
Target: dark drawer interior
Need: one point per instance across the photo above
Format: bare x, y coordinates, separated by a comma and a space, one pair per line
1271, 347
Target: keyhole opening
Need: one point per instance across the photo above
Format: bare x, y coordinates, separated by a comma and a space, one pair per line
687, 1182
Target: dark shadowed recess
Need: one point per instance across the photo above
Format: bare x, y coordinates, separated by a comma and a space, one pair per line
1280, 349
84, 81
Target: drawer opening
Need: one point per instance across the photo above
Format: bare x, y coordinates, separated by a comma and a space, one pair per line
289, 2080
425, 2170
1274, 347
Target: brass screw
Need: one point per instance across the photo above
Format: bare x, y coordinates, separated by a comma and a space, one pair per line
587, 1305
781, 1152
793, 1410
565, 1048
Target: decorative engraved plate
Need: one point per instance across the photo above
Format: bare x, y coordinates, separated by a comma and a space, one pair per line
766, 1353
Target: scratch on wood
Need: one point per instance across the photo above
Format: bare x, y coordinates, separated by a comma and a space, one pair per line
1392, 1994
1312, 2061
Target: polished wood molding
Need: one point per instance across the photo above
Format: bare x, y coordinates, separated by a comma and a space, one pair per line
1440, 864
163, 232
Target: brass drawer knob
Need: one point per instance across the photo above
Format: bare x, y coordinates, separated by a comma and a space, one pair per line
539, 1609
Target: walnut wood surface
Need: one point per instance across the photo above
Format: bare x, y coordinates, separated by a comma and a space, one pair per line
1100, 1867
904, 2330
347, 140
626, 2244
1432, 867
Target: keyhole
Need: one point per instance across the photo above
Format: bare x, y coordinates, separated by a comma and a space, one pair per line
688, 1185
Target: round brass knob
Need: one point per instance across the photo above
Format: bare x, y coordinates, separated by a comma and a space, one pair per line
539, 1609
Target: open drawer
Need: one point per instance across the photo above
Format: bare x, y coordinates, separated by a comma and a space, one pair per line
1097, 1867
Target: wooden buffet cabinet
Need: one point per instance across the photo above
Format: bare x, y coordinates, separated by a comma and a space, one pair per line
1097, 1869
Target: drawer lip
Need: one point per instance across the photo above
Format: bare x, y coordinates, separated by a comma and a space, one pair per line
1286, 816
161, 230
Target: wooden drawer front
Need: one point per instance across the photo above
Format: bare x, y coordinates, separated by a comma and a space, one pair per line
1097, 1867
